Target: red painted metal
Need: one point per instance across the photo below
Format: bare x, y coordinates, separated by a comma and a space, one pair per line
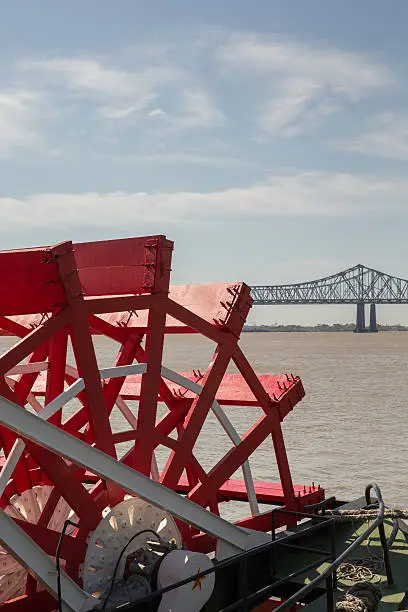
36, 601
54, 299
266, 492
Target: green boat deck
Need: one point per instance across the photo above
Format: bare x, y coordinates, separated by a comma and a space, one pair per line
393, 596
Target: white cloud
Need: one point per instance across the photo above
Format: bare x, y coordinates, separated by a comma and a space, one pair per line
18, 120
85, 74
386, 136
157, 112
123, 93
123, 112
190, 157
304, 82
296, 108
120, 93
310, 194
165, 89
197, 110
343, 70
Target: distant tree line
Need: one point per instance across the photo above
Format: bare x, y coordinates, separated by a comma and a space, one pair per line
321, 327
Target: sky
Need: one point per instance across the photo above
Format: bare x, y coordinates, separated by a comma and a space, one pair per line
268, 139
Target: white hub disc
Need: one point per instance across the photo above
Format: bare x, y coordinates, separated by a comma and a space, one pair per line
113, 533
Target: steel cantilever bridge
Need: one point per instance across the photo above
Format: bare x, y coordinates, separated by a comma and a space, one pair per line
358, 285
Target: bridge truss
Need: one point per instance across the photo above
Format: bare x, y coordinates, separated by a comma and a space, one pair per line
358, 285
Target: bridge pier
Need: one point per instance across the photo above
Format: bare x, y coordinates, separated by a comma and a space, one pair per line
360, 319
373, 319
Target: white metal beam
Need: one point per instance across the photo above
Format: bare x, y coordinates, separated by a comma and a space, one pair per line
10, 463
45, 413
114, 372
31, 556
63, 398
125, 370
33, 428
56, 404
228, 427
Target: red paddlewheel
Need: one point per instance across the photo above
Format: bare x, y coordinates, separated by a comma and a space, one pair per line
54, 300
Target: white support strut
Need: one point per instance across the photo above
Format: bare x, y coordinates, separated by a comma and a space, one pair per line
52, 408
118, 371
46, 413
33, 558
125, 370
30, 426
228, 427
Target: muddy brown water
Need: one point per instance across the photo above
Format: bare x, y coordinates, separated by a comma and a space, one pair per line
350, 429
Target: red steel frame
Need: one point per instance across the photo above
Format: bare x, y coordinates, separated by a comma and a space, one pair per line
121, 289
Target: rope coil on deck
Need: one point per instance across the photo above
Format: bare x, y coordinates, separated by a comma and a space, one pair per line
361, 597
360, 570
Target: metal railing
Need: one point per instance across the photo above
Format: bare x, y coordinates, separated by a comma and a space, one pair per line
329, 573
328, 576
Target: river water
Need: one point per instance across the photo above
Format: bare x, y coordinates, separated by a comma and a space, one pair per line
349, 430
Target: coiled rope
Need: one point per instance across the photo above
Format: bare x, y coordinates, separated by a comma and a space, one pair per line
364, 595
352, 515
360, 570
361, 597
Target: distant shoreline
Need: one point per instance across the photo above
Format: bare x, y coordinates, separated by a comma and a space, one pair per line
322, 327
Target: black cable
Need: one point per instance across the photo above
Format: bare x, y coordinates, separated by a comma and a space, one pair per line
120, 558
57, 560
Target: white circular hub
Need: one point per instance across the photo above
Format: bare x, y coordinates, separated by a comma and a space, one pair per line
112, 534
